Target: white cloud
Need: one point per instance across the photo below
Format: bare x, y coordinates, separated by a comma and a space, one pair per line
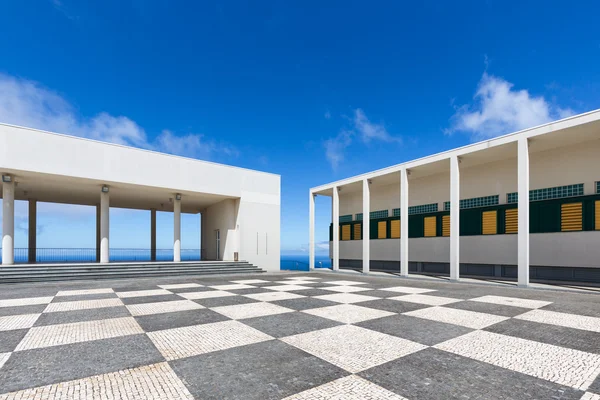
27, 103
361, 127
498, 108
327, 115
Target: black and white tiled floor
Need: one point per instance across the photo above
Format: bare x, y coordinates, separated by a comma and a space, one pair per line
296, 336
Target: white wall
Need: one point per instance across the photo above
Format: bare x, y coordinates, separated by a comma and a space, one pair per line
222, 217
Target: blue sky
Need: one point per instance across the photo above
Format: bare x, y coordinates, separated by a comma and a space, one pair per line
314, 91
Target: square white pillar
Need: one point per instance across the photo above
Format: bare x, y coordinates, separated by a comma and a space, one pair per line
336, 229
98, 239
523, 218
454, 218
366, 226
311, 230
8, 220
104, 224
404, 222
177, 228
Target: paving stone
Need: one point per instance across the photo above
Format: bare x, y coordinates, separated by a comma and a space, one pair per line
346, 298
250, 281
4, 358
206, 295
82, 315
179, 286
426, 299
580, 305
348, 313
162, 307
392, 305
312, 292
232, 286
287, 288
225, 301
10, 339
158, 322
150, 299
591, 324
83, 297
345, 289
289, 324
383, 294
590, 396
470, 319
83, 292
13, 322
304, 303
27, 301
257, 309
351, 387
142, 293
512, 301
407, 289
488, 308
274, 296
19, 310
82, 305
345, 283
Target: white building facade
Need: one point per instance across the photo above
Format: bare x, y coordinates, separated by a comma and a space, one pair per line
240, 208
525, 205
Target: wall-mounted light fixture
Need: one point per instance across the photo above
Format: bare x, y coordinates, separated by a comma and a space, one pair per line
104, 189
6, 178
177, 196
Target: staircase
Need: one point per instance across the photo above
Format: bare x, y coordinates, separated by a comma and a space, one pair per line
66, 272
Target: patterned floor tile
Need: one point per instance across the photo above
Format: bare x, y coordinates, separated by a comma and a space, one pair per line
470, 319
415, 329
225, 301
199, 339
346, 298
407, 290
261, 371
13, 322
382, 294
250, 281
359, 349
512, 301
306, 278
426, 299
289, 324
162, 307
313, 292
591, 324
568, 367
205, 295
83, 292
178, 319
56, 335
10, 339
68, 317
287, 288
394, 306
180, 286
157, 381
304, 303
345, 289
595, 386
345, 283
351, 387
82, 305
33, 309
143, 293
296, 282
590, 396
274, 296
234, 286
488, 308
4, 358
82, 297
348, 313
251, 310
28, 301
437, 375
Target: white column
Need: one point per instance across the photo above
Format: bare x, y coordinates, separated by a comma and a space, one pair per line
32, 232
311, 230
523, 252
153, 234
454, 218
177, 228
404, 222
8, 220
366, 231
98, 233
104, 225
336, 228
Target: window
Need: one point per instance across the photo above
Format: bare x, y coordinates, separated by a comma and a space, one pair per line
395, 228
571, 217
396, 212
550, 193
421, 209
475, 202
489, 225
346, 232
345, 218
382, 230
357, 231
511, 223
598, 187
359, 216
379, 214
430, 226
446, 225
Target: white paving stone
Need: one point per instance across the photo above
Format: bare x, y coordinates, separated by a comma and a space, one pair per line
426, 299
82, 305
346, 297
83, 292
287, 288
200, 339
562, 319
27, 301
12, 322
348, 313
4, 358
353, 348
250, 281
590, 396
273, 296
307, 278
345, 289
209, 294
162, 307
156, 381
351, 387
512, 301
56, 335
180, 286
470, 319
408, 290
560, 365
250, 310
234, 286
344, 283
296, 282
143, 293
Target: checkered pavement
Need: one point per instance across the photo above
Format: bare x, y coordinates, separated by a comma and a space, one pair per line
303, 336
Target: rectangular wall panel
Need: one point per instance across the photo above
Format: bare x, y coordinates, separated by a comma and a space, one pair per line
489, 222
512, 221
395, 229
571, 217
430, 226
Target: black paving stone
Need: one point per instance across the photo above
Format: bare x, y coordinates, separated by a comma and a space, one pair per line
190, 289
225, 301
590, 306
99, 296
489, 308
380, 293
10, 339
394, 306
249, 291
157, 322
267, 370
435, 374
288, 324
38, 367
311, 292
35, 309
151, 299
68, 317
304, 303
595, 386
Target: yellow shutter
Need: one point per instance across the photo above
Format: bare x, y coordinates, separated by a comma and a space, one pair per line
430, 226
598, 215
346, 232
571, 217
357, 231
446, 225
382, 230
511, 223
489, 224
395, 228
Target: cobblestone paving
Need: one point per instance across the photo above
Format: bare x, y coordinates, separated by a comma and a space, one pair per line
296, 336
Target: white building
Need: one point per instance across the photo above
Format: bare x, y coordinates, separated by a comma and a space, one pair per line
240, 208
522, 205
